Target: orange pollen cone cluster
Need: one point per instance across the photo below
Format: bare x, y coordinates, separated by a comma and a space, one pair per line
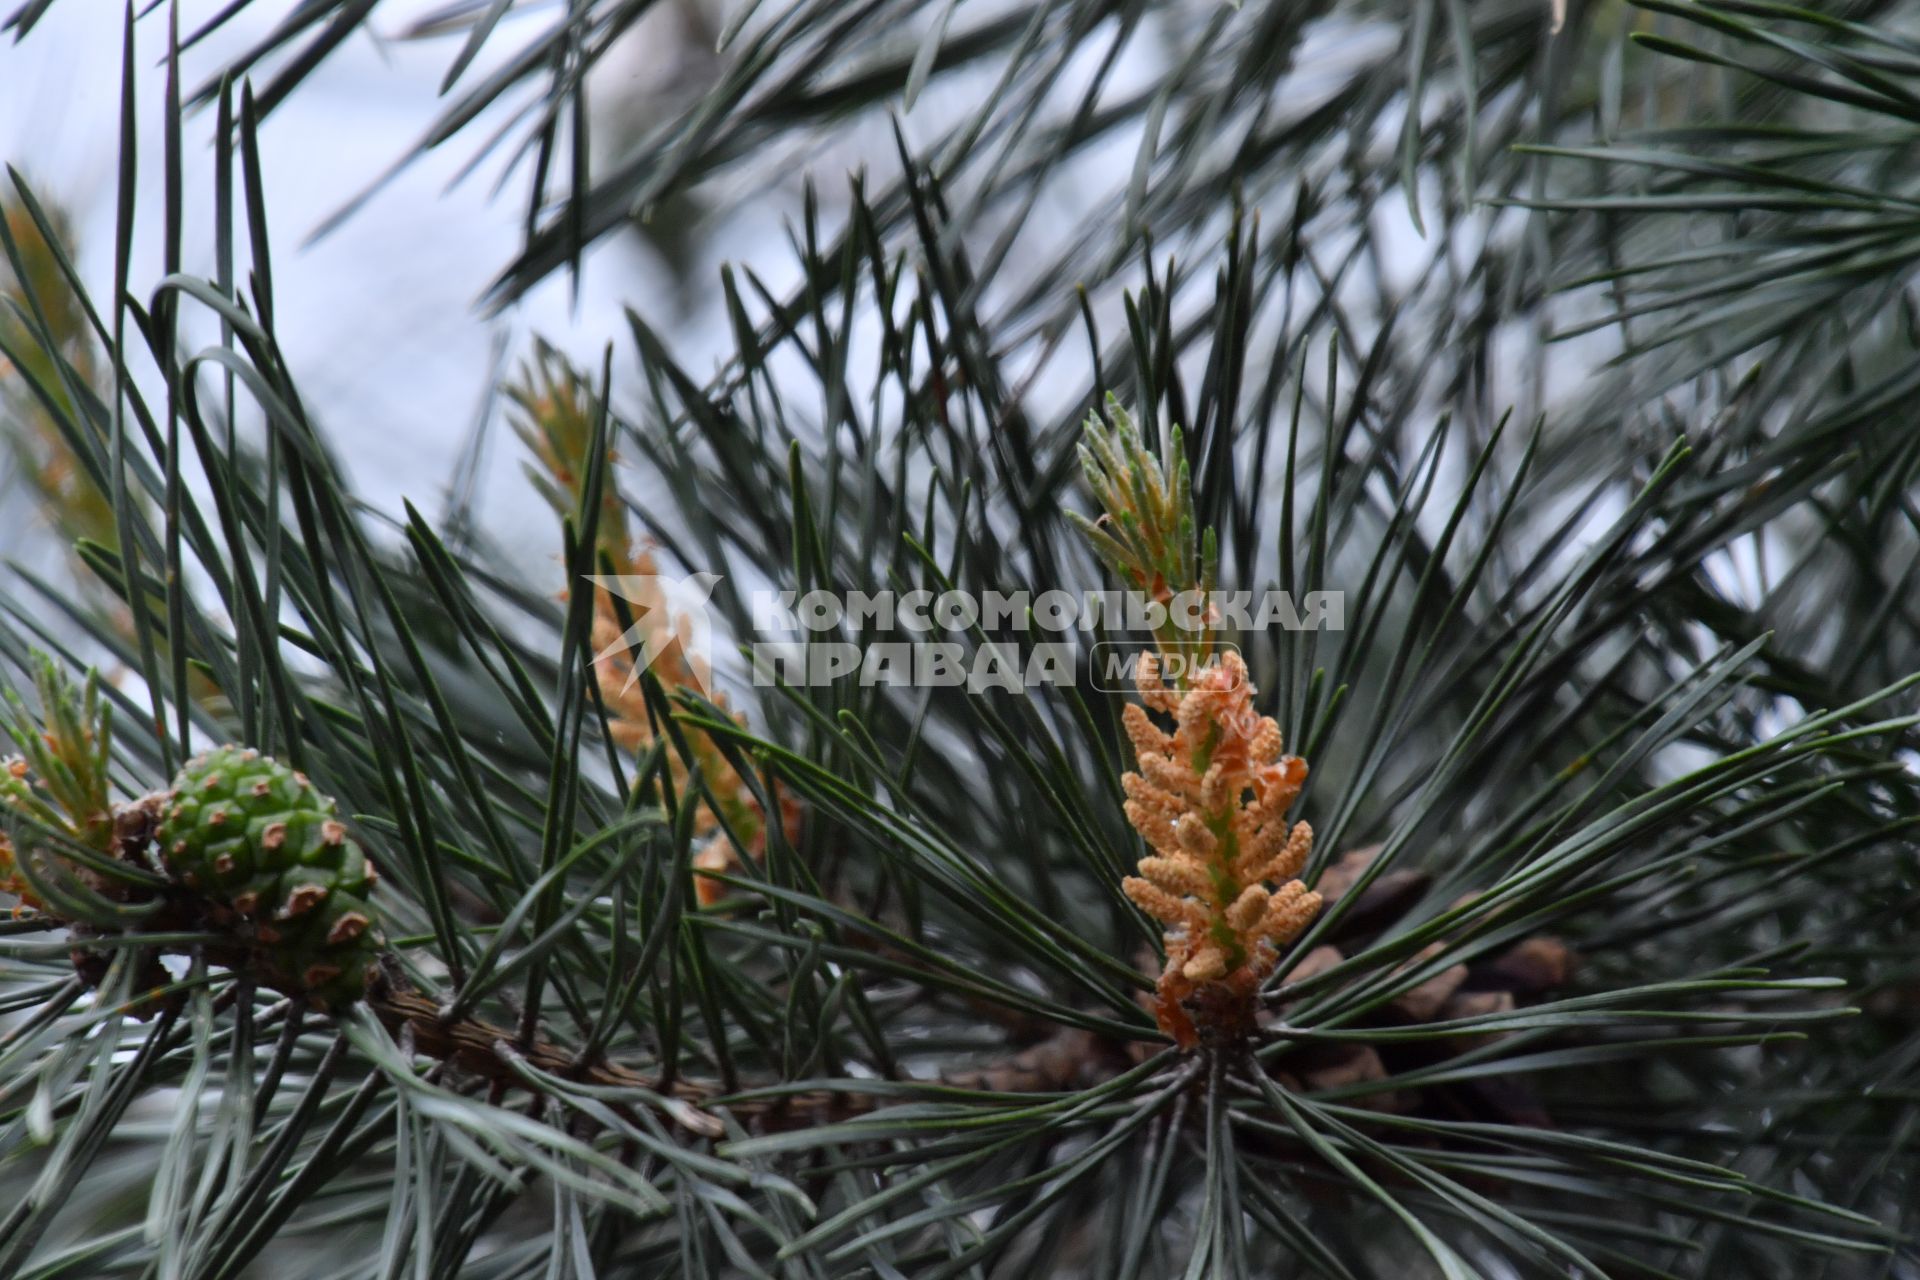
1211, 799
632, 726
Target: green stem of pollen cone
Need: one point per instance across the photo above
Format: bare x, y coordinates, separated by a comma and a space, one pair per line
1225, 888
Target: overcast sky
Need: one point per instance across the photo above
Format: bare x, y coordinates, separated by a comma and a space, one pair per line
379, 316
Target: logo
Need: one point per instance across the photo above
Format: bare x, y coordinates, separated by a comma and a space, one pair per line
1116, 665
936, 639
666, 611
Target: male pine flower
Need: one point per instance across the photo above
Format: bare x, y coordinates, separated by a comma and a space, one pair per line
1211, 799
556, 421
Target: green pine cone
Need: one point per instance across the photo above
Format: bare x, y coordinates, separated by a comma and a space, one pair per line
256, 839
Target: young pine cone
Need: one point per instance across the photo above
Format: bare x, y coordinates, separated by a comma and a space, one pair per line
259, 842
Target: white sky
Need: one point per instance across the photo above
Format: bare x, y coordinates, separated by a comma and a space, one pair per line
378, 317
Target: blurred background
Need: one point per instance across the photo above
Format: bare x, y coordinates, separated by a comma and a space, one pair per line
381, 314
387, 253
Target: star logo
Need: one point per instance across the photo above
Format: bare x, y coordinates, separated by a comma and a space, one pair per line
665, 610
